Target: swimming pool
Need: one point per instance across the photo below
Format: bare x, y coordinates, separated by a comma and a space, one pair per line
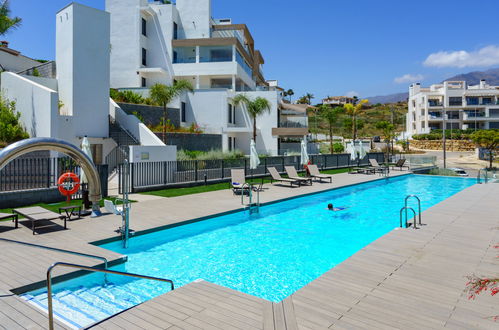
269, 255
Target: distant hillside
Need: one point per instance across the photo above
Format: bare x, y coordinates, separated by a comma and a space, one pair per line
471, 78
391, 98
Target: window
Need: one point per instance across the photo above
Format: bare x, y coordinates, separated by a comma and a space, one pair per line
144, 27
143, 82
175, 31
182, 112
229, 110
423, 125
231, 143
455, 101
144, 56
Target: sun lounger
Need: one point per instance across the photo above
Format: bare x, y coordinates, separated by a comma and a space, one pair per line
38, 214
361, 170
9, 216
314, 173
292, 174
376, 167
400, 164
238, 179
277, 177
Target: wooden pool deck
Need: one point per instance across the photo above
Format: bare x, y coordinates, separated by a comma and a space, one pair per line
406, 279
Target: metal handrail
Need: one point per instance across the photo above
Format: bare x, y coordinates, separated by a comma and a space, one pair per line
250, 193
91, 269
419, 207
58, 250
479, 176
408, 208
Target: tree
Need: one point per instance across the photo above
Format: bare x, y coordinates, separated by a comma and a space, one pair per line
354, 111
289, 93
488, 140
163, 95
7, 23
330, 115
255, 107
309, 97
11, 129
388, 131
302, 100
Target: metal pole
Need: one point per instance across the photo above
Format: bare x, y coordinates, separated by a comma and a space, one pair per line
444, 139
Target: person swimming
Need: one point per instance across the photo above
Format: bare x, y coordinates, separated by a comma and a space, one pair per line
330, 207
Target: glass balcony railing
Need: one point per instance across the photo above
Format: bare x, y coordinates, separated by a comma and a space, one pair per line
434, 103
293, 122
243, 64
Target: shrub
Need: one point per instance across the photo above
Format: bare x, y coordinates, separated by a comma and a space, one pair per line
209, 155
442, 171
11, 129
338, 147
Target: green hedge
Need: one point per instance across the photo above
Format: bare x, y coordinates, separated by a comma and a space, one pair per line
455, 134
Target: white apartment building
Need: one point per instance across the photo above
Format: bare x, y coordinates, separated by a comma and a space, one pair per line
76, 102
465, 107
155, 42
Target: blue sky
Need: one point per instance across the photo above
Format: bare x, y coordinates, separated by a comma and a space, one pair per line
332, 47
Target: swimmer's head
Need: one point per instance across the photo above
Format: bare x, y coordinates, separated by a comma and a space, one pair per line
329, 206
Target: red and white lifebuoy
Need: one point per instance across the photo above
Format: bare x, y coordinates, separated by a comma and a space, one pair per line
68, 184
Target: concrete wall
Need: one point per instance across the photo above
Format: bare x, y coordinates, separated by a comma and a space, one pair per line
198, 142
142, 154
195, 16
152, 115
82, 56
36, 103
28, 197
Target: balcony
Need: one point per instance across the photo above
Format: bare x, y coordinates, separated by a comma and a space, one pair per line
434, 103
294, 122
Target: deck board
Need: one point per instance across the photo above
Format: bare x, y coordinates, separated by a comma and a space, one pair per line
407, 279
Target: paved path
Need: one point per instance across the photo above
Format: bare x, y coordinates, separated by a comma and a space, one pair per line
406, 279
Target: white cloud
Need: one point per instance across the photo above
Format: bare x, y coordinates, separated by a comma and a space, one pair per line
351, 94
408, 78
486, 56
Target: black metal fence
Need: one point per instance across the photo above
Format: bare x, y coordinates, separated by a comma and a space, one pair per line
157, 175
36, 173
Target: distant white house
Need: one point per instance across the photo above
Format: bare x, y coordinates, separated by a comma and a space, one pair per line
155, 42
454, 103
76, 103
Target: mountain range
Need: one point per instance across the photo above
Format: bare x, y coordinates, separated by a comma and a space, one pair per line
471, 78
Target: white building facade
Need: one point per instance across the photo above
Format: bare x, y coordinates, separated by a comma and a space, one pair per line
454, 103
155, 42
76, 103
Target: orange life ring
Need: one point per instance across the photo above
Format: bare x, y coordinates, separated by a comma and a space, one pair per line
68, 184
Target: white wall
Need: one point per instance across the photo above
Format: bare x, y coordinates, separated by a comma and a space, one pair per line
16, 63
36, 103
208, 108
140, 154
125, 42
195, 17
82, 55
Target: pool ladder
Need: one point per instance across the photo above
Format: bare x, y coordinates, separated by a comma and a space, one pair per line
406, 208
252, 207
89, 269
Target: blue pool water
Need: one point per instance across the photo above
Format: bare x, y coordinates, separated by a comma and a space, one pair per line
269, 255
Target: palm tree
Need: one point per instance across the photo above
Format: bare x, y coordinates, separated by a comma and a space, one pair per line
290, 93
163, 95
354, 111
7, 23
309, 97
388, 131
330, 115
255, 107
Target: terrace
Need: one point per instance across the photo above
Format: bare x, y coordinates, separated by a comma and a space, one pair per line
404, 268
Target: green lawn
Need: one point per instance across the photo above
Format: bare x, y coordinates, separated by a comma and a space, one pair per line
174, 192
54, 206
